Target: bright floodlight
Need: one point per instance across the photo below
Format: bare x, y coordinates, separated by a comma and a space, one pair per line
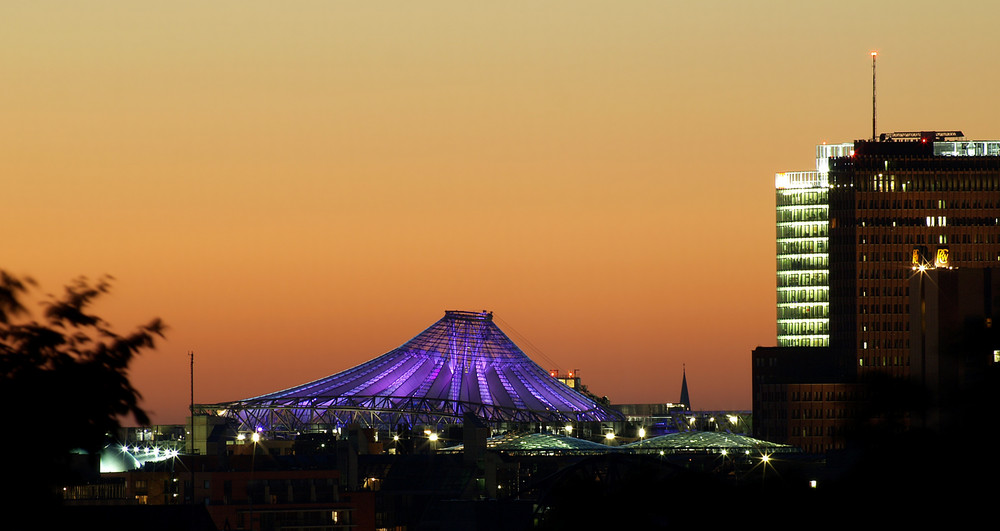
609, 435
255, 437
765, 458
433, 437
874, 53
642, 432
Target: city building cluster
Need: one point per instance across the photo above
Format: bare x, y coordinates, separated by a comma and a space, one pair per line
887, 290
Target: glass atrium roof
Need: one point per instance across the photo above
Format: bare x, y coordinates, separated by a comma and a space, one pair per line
706, 441
538, 443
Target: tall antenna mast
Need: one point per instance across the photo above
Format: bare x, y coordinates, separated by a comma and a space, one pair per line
874, 134
190, 437
191, 355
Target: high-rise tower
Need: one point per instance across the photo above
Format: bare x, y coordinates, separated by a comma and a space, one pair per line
850, 235
802, 202
910, 201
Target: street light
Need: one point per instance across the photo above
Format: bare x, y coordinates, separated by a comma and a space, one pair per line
765, 461
253, 458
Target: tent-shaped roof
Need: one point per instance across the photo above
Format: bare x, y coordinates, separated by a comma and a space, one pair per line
538, 444
462, 363
707, 441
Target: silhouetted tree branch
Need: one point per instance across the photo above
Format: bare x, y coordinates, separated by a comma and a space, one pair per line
63, 381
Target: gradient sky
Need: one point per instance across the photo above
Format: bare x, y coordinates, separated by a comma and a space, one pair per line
296, 188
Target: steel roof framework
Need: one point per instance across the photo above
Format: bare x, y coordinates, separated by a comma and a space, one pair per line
461, 364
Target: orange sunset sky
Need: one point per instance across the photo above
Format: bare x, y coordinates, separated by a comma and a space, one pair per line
298, 187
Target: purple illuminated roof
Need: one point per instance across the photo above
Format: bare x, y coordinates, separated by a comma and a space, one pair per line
462, 364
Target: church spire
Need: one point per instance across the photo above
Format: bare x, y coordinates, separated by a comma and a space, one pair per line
685, 399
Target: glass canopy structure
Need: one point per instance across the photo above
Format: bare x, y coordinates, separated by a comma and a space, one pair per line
706, 441
538, 444
462, 364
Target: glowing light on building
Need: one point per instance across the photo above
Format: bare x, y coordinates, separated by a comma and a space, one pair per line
461, 364
803, 260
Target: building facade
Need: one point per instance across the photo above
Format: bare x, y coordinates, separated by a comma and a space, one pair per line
803, 396
955, 347
802, 201
919, 200
850, 235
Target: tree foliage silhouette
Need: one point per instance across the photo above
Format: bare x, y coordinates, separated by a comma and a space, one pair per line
63, 380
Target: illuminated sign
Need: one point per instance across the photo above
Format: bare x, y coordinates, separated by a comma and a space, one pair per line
941, 259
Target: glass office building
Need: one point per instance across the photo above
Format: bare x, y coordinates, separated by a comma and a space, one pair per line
872, 219
849, 234
803, 247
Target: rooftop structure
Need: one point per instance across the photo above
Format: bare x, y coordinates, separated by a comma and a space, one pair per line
538, 444
706, 441
461, 364
681, 442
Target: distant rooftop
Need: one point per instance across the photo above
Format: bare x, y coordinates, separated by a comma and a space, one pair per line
905, 143
921, 136
539, 444
707, 441
681, 442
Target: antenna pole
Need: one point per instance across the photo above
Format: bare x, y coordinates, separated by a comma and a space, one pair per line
191, 434
191, 355
874, 134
